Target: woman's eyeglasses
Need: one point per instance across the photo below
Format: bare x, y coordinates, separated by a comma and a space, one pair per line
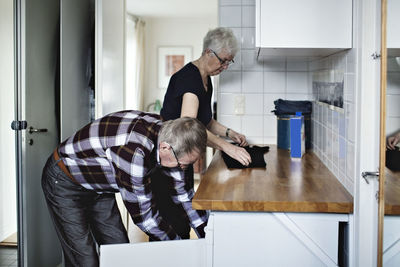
221, 61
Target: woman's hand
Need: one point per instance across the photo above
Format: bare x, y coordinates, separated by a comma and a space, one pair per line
392, 141
238, 153
237, 138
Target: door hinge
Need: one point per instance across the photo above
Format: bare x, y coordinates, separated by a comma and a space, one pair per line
19, 125
375, 55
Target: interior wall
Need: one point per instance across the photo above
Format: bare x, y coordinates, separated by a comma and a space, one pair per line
8, 209
334, 129
170, 32
393, 96
260, 83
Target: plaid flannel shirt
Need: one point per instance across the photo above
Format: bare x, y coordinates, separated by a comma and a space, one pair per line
113, 154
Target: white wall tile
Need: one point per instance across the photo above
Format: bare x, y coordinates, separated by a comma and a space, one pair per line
342, 125
269, 102
252, 82
297, 82
308, 97
232, 121
392, 65
350, 121
230, 82
249, 61
393, 105
248, 38
238, 34
349, 87
237, 66
249, 2
335, 121
275, 65
226, 104
351, 61
270, 140
254, 104
230, 16
342, 156
248, 16
392, 125
297, 66
230, 2
350, 161
270, 126
252, 125
255, 140
274, 82
393, 83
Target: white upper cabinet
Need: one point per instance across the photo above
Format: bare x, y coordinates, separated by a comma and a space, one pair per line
393, 23
302, 28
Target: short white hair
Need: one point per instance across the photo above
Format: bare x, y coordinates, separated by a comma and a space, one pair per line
220, 39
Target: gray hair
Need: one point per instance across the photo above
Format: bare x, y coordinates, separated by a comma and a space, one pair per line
220, 39
185, 135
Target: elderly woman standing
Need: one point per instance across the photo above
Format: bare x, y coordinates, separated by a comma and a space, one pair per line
190, 89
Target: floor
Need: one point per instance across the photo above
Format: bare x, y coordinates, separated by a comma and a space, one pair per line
8, 256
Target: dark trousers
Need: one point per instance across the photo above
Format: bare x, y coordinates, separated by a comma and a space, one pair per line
81, 217
162, 188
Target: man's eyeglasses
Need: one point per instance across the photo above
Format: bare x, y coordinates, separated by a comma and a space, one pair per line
221, 61
180, 166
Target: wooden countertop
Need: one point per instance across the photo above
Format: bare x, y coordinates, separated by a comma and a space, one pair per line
286, 185
392, 192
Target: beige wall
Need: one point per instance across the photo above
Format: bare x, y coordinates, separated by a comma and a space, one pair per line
8, 216
170, 32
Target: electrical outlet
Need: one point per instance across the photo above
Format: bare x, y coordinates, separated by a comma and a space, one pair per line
239, 104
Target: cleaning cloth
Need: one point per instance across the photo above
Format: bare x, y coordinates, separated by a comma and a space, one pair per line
257, 158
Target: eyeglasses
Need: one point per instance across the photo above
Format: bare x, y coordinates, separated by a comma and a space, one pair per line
222, 61
180, 166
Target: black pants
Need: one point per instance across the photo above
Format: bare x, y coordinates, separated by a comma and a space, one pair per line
162, 187
81, 217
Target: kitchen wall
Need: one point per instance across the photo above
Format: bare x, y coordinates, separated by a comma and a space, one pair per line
170, 32
334, 128
260, 83
393, 96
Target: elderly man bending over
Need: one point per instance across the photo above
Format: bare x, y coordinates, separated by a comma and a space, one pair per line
122, 152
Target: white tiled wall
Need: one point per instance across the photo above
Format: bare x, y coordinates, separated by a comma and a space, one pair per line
259, 82
263, 82
393, 97
334, 129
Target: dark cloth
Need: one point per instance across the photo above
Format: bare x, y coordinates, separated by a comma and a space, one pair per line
393, 159
162, 187
290, 107
81, 217
187, 80
257, 158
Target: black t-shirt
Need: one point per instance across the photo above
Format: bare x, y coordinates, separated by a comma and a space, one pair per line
187, 80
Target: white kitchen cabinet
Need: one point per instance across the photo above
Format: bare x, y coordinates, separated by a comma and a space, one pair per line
302, 28
244, 239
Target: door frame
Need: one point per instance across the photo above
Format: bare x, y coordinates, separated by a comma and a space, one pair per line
367, 19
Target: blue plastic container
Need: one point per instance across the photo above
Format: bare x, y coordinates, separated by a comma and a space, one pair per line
283, 131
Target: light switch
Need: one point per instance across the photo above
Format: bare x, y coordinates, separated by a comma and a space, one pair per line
239, 104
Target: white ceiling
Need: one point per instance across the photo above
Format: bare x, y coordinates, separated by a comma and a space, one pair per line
173, 8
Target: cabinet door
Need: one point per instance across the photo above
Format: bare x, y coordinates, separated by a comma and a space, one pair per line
266, 239
180, 253
305, 24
